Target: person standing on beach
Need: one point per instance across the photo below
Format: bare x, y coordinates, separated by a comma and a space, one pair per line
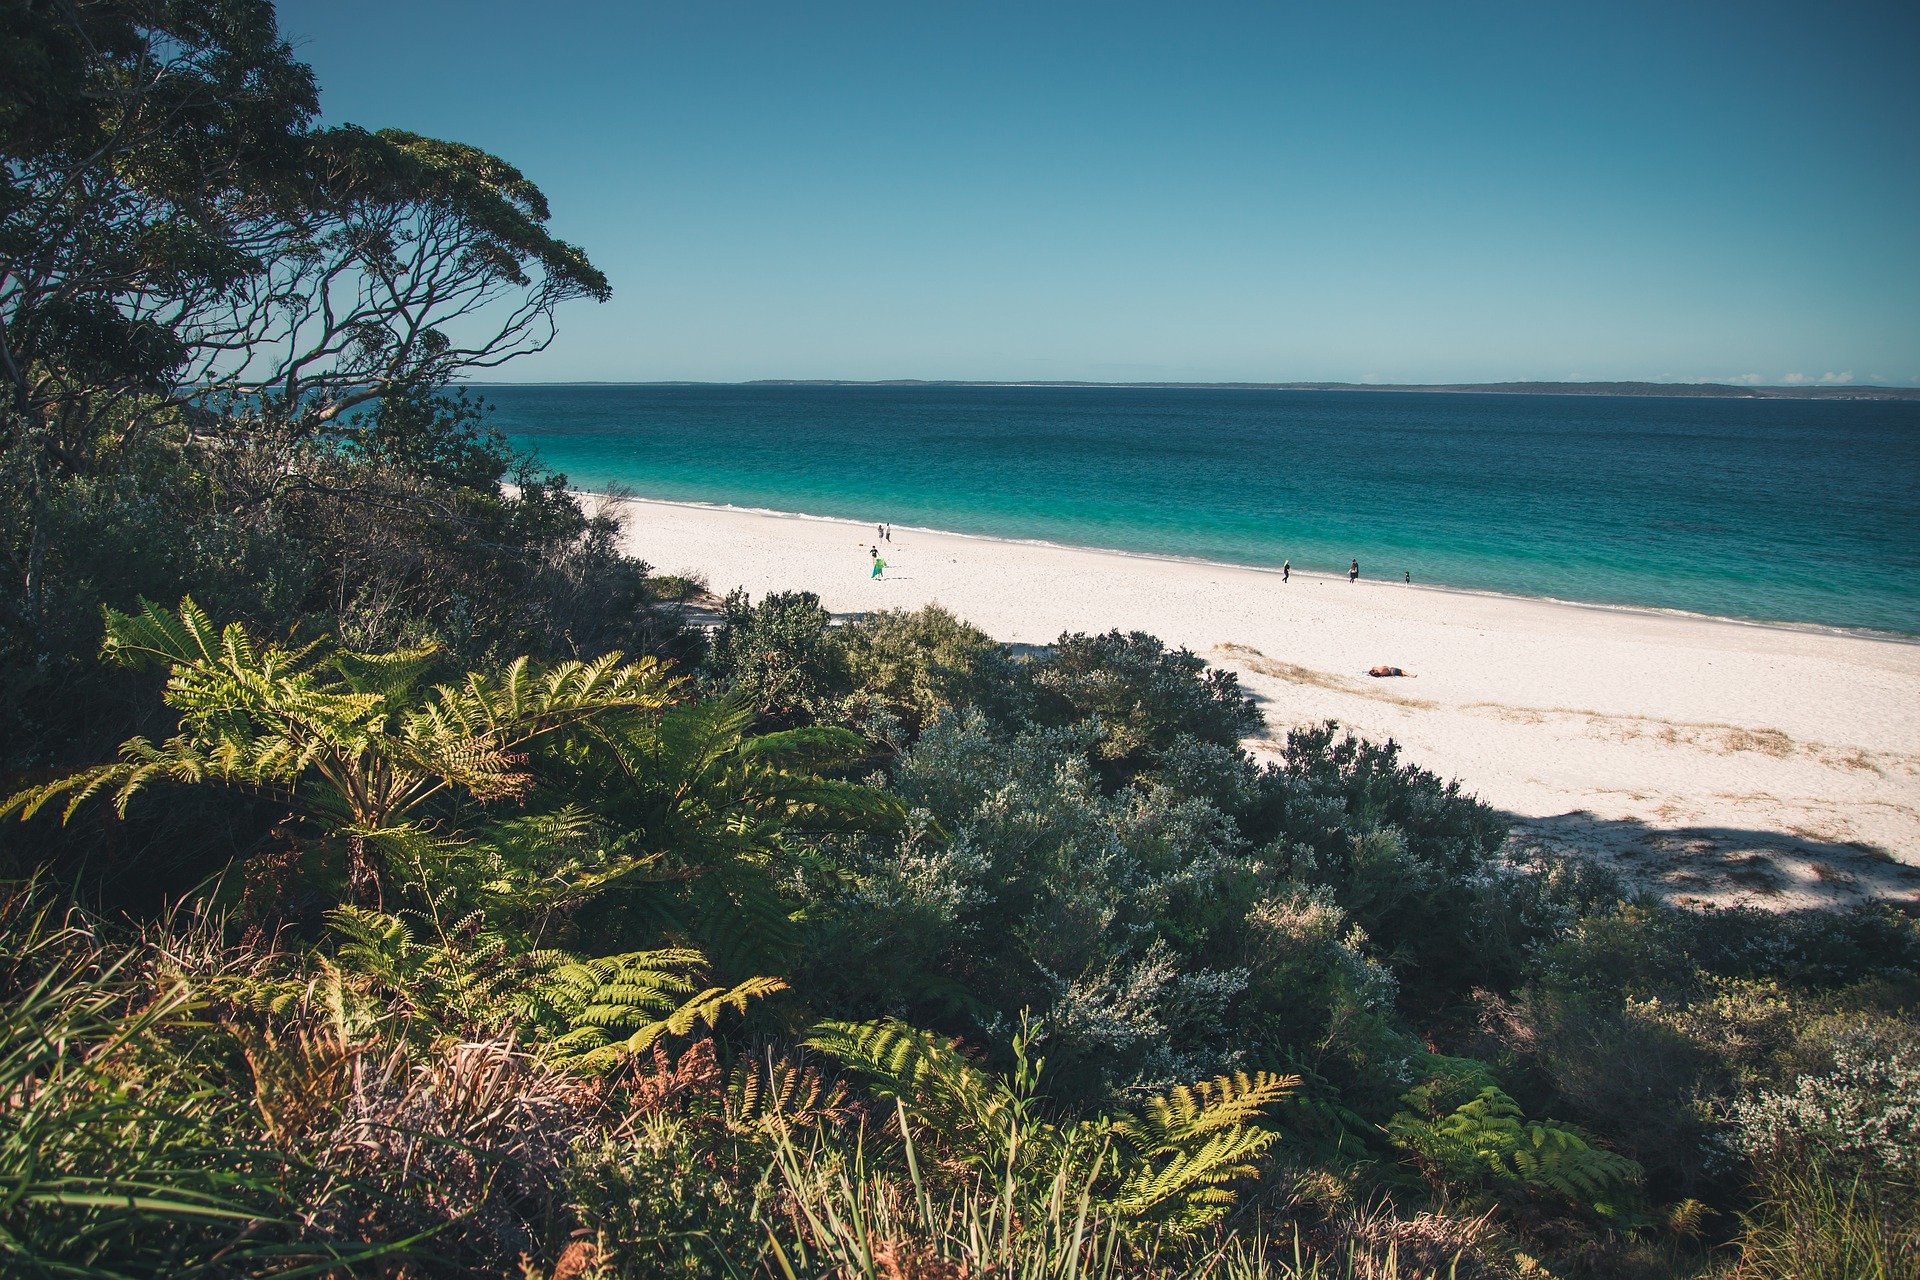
1353, 572
1409, 574
874, 552
879, 533
1286, 570
879, 567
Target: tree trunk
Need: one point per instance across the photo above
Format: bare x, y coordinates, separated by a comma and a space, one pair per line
363, 873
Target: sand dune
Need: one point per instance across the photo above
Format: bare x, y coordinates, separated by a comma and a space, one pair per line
1715, 761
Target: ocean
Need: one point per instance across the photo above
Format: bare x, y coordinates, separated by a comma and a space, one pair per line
1768, 510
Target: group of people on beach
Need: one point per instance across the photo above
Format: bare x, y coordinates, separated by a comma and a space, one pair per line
1353, 572
881, 533
1353, 575
884, 533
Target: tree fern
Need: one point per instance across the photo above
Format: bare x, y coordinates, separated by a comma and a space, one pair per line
350, 740
700, 820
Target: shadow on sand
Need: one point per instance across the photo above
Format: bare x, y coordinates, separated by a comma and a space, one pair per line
1693, 865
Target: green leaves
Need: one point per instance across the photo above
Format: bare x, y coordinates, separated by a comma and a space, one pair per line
1167, 1168
117, 1157
618, 1006
699, 816
1488, 1140
348, 739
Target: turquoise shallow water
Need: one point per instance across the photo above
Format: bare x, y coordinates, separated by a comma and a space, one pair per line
1772, 510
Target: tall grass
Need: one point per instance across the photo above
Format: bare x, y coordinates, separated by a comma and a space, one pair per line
1816, 1225
115, 1159
842, 1219
125, 1147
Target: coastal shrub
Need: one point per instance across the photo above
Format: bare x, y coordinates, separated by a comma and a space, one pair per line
405, 548
663, 1202
354, 546
1133, 923
777, 656
1441, 826
1103, 909
1620, 1072
1143, 695
890, 920
919, 663
1414, 859
1860, 1118
1656, 1027
1318, 997
1644, 949
679, 587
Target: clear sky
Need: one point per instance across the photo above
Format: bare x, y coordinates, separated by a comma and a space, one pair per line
1188, 190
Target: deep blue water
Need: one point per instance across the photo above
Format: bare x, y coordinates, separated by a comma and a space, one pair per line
1781, 510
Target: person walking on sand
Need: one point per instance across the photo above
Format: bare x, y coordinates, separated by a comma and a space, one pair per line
1286, 570
879, 533
888, 535
879, 567
1353, 572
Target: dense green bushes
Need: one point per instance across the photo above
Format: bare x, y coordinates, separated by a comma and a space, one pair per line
1142, 919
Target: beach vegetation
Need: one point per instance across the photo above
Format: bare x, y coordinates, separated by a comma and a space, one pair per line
416, 894
776, 655
918, 663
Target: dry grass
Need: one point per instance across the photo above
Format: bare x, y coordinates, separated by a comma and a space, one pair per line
1253, 660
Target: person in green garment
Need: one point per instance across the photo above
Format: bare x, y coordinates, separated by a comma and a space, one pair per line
879, 567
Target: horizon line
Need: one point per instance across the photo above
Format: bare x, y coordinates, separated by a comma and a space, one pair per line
1544, 386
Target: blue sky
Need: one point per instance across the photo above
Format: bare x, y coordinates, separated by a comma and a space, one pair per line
1119, 191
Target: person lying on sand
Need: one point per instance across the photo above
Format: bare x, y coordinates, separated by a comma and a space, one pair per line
1389, 671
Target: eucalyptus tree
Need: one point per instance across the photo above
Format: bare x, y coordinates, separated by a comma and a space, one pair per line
184, 249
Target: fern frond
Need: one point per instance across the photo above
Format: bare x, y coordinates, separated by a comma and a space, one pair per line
1188, 1112
1488, 1139
616, 1007
975, 1116
777, 1095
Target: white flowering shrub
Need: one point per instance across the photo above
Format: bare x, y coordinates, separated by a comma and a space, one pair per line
1863, 1115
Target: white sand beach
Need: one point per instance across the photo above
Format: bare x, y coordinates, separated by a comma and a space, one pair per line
1715, 761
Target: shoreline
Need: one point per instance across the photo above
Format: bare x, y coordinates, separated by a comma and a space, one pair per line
1766, 624
1708, 760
